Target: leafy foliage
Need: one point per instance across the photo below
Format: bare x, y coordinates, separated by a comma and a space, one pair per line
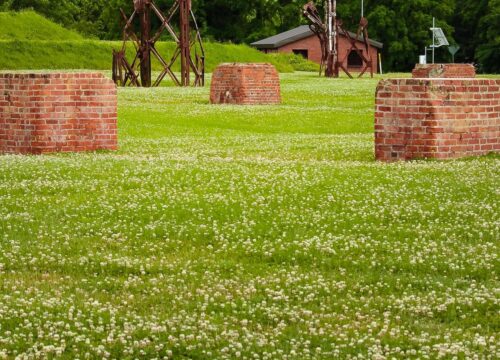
402, 25
488, 50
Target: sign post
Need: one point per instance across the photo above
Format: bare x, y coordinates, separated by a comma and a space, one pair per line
438, 39
453, 49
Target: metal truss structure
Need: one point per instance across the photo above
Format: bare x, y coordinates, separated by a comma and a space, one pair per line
189, 49
328, 32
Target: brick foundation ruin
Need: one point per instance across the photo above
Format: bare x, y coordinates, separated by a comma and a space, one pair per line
57, 112
245, 84
444, 71
436, 118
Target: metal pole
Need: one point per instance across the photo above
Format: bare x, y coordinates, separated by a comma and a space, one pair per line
335, 58
331, 39
362, 8
433, 39
330, 25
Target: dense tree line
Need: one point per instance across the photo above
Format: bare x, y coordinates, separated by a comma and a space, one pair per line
402, 25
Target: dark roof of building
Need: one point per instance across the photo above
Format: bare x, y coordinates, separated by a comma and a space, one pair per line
296, 34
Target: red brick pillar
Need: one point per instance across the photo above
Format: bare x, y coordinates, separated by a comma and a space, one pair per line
245, 84
52, 112
444, 71
436, 118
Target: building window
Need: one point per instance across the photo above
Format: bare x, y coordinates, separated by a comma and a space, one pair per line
302, 52
354, 59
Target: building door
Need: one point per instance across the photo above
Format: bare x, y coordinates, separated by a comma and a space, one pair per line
354, 60
302, 52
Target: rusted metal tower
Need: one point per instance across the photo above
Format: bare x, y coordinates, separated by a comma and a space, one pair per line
328, 32
189, 48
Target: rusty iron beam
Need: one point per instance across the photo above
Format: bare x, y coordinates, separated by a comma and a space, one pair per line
328, 32
184, 43
143, 8
126, 74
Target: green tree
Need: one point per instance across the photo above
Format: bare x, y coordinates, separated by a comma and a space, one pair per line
477, 25
488, 52
403, 27
6, 5
466, 24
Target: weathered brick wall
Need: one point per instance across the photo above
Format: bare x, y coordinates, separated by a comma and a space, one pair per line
444, 71
246, 84
52, 112
436, 118
313, 46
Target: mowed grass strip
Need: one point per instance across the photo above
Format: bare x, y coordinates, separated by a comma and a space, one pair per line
264, 232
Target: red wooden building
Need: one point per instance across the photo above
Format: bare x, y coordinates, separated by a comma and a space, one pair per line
302, 41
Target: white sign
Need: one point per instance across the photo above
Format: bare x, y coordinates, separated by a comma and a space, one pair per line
439, 38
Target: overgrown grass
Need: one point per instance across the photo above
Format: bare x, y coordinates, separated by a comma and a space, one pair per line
28, 25
29, 41
264, 232
95, 54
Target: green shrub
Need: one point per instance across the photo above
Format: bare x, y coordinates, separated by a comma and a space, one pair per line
296, 61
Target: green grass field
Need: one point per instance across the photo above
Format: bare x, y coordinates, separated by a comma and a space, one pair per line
267, 232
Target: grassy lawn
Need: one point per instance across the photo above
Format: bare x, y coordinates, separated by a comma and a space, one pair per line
264, 232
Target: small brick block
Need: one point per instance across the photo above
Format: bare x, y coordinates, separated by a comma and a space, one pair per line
245, 84
436, 118
57, 112
446, 71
